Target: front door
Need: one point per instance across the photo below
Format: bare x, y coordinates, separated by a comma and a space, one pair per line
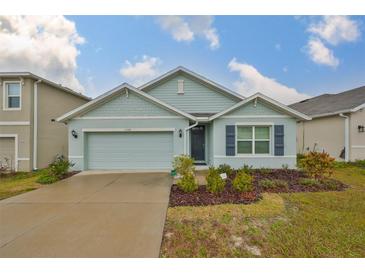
198, 143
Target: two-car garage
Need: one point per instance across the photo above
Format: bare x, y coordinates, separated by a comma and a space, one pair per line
129, 150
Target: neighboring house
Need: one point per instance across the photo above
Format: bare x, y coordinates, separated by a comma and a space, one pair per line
29, 136
337, 124
178, 113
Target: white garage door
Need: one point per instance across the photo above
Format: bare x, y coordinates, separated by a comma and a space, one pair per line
129, 150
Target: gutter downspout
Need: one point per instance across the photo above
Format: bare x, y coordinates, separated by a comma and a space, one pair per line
185, 134
35, 124
347, 136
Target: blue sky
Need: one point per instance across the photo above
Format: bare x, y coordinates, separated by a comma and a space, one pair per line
285, 57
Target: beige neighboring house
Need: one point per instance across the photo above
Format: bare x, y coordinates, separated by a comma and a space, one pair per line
337, 124
29, 137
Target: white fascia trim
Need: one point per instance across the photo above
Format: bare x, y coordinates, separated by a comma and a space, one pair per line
14, 123
267, 99
128, 129
358, 107
121, 88
254, 156
15, 136
339, 112
53, 84
200, 77
254, 116
5, 92
75, 157
23, 159
358, 146
126, 117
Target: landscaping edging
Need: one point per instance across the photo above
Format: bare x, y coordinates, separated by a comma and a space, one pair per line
203, 197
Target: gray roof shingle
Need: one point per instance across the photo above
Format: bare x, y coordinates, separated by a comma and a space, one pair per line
330, 103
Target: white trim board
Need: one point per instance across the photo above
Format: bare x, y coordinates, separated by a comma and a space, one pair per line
266, 99
108, 95
358, 146
254, 116
126, 117
254, 156
14, 123
76, 157
128, 129
15, 136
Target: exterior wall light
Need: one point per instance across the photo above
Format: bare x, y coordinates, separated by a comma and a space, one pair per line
180, 133
74, 134
360, 128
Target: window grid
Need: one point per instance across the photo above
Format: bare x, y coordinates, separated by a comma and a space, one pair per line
8, 96
253, 140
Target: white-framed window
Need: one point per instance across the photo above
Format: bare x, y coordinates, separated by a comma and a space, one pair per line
12, 99
253, 139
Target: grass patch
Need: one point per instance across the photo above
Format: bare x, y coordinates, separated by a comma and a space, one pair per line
322, 224
18, 183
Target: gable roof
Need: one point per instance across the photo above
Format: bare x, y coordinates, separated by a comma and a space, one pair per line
331, 104
107, 95
268, 100
198, 77
36, 77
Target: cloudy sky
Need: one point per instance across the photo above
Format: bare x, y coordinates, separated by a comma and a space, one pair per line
288, 58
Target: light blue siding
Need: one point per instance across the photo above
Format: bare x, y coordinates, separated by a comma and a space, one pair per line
237, 117
129, 150
250, 109
272, 161
197, 98
131, 105
78, 147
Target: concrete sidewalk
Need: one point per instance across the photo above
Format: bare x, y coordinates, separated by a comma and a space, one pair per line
98, 215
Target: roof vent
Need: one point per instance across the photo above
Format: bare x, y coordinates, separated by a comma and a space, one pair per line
180, 86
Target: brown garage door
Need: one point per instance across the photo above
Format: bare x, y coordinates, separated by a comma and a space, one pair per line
7, 152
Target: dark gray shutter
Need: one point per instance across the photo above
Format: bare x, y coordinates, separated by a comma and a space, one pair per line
279, 140
230, 140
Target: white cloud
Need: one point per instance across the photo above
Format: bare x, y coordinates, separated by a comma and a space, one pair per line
336, 29
320, 54
252, 81
186, 28
44, 45
140, 71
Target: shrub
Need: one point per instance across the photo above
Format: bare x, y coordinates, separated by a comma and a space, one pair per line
245, 168
187, 183
55, 171
60, 167
309, 182
184, 165
317, 165
272, 184
215, 183
46, 177
224, 168
242, 182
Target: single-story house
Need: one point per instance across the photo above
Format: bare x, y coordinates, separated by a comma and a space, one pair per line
177, 113
337, 124
29, 104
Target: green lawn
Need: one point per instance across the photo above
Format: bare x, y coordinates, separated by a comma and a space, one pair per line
326, 224
18, 183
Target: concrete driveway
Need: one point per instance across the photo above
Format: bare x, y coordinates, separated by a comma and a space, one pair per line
88, 215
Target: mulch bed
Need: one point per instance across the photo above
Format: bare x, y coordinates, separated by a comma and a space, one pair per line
203, 197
